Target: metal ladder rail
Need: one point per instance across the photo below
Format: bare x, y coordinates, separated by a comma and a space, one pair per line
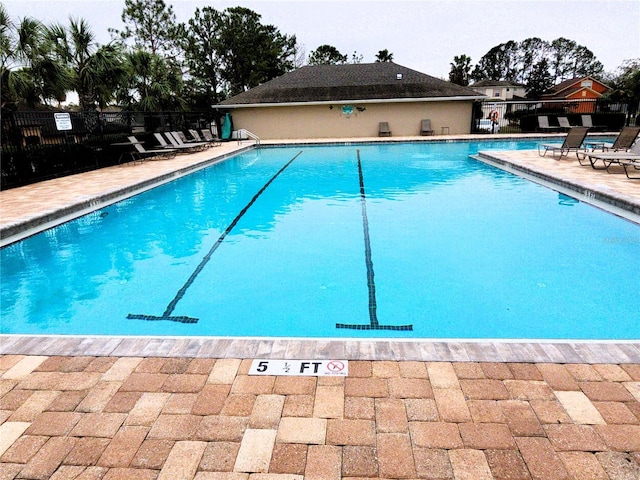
243, 131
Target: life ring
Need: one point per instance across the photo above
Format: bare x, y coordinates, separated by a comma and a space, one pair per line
494, 116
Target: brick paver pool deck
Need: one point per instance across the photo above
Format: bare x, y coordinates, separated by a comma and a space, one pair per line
85, 417
183, 408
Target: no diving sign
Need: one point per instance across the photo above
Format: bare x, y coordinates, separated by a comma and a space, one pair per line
63, 121
309, 368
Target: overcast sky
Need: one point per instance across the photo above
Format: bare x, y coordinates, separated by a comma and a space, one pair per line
422, 34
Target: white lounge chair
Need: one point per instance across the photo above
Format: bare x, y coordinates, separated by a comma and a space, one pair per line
197, 138
587, 121
141, 153
163, 143
630, 160
543, 124
622, 143
177, 141
208, 136
564, 123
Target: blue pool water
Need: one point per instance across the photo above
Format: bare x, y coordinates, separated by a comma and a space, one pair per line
388, 240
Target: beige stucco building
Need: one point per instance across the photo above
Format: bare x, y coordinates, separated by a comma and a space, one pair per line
500, 90
346, 101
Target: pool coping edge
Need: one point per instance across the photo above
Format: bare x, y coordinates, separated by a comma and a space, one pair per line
616, 204
503, 351
20, 230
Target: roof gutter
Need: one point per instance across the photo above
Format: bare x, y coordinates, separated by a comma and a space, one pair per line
334, 102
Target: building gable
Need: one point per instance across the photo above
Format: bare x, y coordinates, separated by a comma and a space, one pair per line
572, 88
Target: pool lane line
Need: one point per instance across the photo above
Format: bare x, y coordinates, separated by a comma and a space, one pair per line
172, 305
374, 324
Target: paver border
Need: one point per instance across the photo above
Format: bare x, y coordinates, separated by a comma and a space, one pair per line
610, 201
465, 350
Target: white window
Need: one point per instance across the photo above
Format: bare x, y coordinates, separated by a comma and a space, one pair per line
586, 83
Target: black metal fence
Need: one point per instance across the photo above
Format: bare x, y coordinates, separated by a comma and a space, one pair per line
37, 146
522, 117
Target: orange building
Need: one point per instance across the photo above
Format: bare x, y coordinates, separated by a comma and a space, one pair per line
583, 88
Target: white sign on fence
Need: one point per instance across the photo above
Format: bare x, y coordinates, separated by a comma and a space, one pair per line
63, 121
310, 368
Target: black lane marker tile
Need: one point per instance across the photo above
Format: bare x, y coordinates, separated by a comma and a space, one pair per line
371, 284
172, 305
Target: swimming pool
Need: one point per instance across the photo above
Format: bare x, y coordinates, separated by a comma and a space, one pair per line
408, 240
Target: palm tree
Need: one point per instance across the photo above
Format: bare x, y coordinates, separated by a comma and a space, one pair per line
74, 47
8, 80
6, 25
460, 70
152, 83
105, 73
30, 71
50, 80
15, 81
384, 56
95, 70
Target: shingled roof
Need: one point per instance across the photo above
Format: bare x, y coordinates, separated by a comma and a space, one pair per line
569, 87
362, 82
496, 83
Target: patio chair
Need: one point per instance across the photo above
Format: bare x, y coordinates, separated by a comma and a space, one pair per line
572, 143
564, 123
622, 143
383, 129
182, 138
588, 122
627, 159
142, 153
163, 143
176, 141
425, 127
625, 139
197, 138
543, 124
208, 136
630, 163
